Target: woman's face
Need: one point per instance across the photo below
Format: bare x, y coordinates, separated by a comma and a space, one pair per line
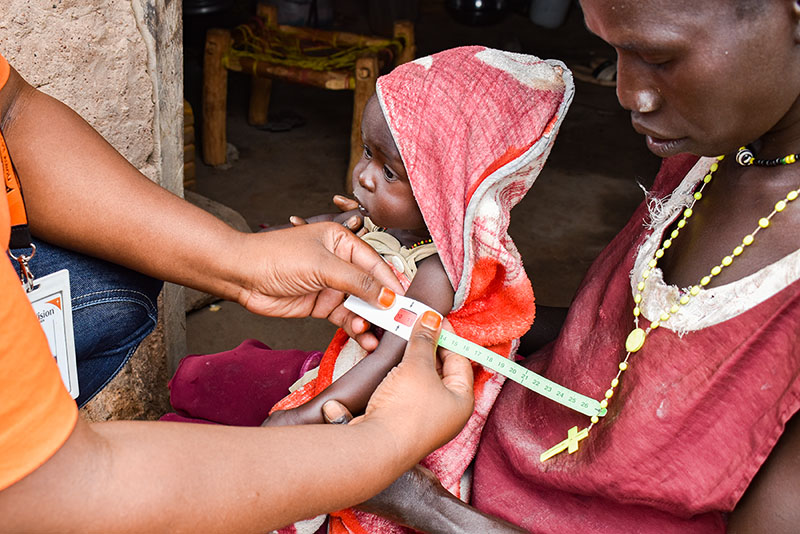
380, 182
702, 77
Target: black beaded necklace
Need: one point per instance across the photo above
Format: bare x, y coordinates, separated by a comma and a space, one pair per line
746, 158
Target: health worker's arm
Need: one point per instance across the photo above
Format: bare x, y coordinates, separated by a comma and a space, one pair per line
83, 195
176, 477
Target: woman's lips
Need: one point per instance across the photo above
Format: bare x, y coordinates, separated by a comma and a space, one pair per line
665, 147
659, 145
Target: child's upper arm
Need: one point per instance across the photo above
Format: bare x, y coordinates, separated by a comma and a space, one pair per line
431, 285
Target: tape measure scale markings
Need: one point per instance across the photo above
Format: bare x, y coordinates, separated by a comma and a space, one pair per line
400, 318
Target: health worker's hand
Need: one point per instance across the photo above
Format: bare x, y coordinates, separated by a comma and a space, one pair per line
424, 401
308, 271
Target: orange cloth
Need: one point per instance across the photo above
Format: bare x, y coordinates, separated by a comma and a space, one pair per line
37, 414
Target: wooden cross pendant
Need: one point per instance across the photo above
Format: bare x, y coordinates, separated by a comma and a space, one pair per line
570, 444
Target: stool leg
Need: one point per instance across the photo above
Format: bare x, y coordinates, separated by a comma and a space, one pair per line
404, 29
366, 75
260, 89
268, 13
215, 96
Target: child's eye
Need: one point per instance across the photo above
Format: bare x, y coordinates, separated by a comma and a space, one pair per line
387, 172
367, 153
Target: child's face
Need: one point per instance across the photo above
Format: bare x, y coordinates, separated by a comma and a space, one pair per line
380, 182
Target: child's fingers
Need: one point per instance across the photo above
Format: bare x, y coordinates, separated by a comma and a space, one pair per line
336, 413
353, 223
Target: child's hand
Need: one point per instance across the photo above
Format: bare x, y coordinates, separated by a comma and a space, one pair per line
350, 217
295, 416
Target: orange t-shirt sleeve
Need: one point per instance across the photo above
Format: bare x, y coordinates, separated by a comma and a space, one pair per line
4, 71
37, 414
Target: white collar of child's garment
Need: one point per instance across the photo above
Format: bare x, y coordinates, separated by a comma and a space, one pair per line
714, 305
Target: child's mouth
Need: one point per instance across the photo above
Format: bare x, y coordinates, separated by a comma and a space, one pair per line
364, 211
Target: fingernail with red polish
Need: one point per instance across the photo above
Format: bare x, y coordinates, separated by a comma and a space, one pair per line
386, 298
431, 319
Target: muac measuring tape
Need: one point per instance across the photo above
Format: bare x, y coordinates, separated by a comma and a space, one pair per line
403, 314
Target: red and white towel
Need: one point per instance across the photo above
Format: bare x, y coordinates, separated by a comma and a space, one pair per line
474, 127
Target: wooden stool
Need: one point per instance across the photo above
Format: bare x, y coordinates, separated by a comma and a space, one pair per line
356, 71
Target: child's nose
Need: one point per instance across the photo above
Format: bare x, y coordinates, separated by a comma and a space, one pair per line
365, 179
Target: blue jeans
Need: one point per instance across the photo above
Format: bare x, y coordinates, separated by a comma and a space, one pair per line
113, 310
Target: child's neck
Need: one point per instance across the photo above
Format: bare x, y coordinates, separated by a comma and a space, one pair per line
408, 238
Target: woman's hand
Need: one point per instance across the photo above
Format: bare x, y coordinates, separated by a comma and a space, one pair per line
417, 500
308, 270
401, 502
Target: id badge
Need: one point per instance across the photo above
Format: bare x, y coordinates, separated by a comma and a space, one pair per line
51, 300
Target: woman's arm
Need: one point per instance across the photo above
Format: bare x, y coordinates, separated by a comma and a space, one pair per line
772, 502
175, 477
430, 286
545, 329
417, 500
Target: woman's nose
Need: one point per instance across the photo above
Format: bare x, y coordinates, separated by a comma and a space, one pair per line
635, 91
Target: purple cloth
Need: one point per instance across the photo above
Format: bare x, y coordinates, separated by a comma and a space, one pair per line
236, 387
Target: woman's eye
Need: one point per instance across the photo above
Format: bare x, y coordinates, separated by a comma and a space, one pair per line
367, 153
387, 172
655, 61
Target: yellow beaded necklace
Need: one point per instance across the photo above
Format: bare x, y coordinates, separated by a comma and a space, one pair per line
638, 335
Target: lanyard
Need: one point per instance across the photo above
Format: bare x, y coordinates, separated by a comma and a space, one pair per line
20, 234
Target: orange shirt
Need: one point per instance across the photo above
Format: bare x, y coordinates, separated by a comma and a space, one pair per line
37, 414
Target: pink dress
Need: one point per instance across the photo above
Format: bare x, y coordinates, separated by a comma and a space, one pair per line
691, 423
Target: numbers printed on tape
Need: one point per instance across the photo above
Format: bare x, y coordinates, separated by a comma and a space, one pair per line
401, 317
